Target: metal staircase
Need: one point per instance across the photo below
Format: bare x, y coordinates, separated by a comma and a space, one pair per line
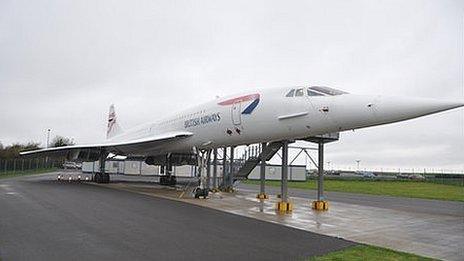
251, 160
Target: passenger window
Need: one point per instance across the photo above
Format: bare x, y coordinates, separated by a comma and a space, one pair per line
312, 93
299, 92
290, 93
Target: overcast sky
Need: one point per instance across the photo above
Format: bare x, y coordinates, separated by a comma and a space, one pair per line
62, 63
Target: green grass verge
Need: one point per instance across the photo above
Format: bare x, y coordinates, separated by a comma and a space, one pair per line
410, 189
364, 252
11, 174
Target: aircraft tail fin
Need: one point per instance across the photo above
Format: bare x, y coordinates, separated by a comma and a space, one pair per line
113, 126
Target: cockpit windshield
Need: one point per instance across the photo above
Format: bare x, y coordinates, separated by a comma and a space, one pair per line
314, 91
326, 90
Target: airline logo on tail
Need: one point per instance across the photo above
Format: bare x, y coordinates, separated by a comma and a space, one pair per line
253, 100
113, 127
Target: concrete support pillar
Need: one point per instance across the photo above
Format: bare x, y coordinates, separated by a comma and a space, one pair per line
284, 182
208, 169
262, 174
224, 168
231, 171
214, 169
320, 164
284, 206
320, 203
262, 171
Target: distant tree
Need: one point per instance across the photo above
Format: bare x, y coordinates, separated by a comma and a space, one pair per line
13, 150
60, 141
31, 146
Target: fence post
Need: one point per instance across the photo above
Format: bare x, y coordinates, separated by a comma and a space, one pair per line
14, 165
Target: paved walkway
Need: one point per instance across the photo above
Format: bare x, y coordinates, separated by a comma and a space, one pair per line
382, 222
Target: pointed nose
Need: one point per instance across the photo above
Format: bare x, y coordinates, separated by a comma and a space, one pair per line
392, 109
359, 111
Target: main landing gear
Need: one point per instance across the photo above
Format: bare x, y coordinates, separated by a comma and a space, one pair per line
202, 190
102, 177
168, 179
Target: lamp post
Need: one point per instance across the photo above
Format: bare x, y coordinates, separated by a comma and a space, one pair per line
48, 138
357, 161
48, 144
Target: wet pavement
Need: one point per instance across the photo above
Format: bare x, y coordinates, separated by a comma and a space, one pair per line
438, 234
45, 219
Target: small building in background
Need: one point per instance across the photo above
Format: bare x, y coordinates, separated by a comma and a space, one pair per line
274, 172
133, 167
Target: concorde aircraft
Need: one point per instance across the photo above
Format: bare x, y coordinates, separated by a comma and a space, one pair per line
267, 115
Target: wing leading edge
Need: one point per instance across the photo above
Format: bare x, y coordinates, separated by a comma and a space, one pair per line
112, 147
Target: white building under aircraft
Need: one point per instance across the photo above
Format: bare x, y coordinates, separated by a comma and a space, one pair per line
132, 167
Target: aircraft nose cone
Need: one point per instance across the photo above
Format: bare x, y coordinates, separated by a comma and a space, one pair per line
428, 106
408, 108
455, 104
348, 112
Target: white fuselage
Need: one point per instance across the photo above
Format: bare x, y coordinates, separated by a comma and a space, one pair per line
269, 115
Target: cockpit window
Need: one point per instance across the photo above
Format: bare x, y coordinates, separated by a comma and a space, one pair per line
313, 93
299, 92
290, 93
326, 90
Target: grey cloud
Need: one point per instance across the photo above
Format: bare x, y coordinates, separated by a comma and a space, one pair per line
63, 62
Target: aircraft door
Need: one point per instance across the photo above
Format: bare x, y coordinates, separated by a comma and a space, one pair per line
236, 111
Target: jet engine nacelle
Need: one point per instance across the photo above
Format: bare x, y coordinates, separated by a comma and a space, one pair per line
176, 159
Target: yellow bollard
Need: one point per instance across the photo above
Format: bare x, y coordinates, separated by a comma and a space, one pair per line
262, 196
284, 207
320, 205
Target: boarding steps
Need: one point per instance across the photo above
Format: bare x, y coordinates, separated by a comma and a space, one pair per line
245, 167
251, 158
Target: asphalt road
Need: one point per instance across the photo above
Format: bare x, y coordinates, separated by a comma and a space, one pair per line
425, 206
43, 219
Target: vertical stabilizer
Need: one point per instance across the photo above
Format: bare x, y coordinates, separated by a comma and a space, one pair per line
113, 126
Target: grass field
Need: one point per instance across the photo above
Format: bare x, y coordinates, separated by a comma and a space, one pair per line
11, 174
364, 252
410, 189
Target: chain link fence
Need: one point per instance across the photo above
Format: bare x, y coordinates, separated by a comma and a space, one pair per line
27, 165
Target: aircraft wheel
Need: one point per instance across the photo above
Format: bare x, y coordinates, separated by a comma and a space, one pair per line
98, 178
106, 178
